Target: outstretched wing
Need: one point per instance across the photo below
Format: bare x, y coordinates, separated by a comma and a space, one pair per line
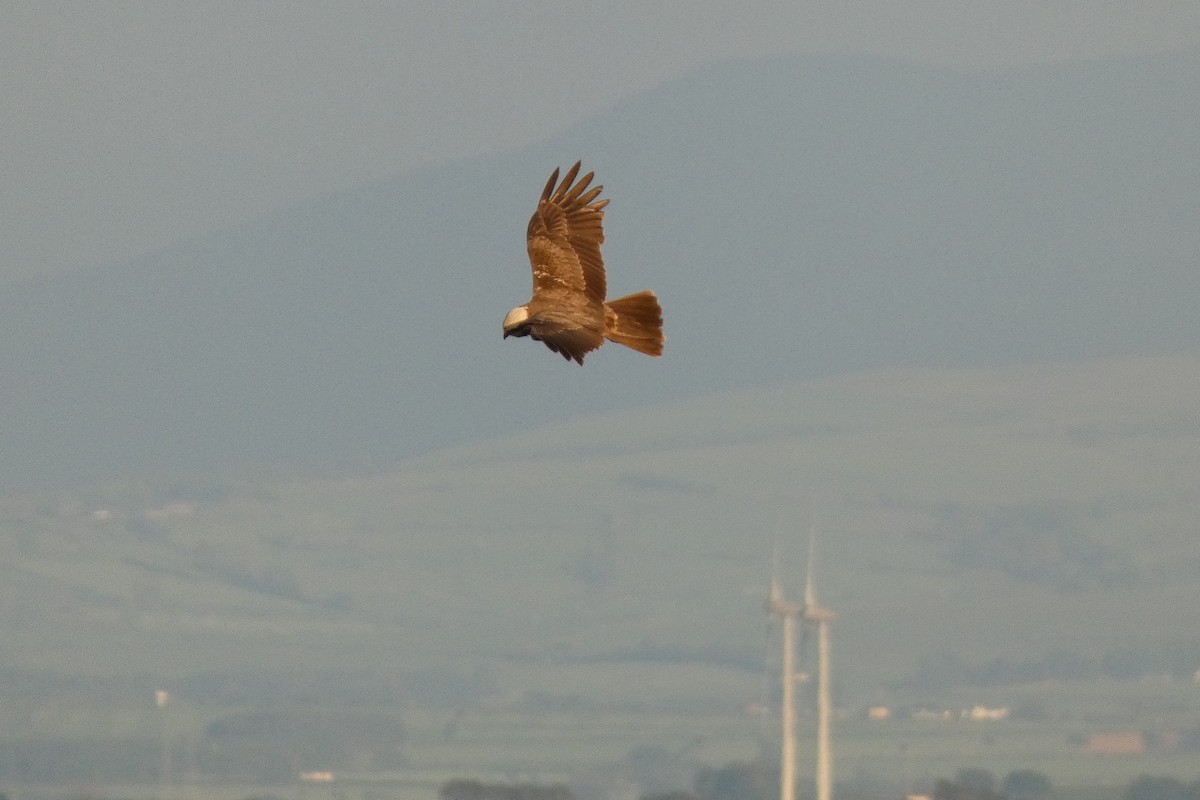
564, 238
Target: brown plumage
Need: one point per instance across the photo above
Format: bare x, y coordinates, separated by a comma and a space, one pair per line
568, 312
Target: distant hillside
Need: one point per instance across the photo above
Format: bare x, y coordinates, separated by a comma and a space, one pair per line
799, 217
975, 526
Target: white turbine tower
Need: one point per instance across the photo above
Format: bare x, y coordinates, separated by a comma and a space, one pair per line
821, 617
787, 611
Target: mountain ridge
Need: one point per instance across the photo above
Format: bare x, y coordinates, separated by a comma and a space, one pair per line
799, 218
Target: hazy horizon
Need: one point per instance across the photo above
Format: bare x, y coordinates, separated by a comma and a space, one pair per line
130, 127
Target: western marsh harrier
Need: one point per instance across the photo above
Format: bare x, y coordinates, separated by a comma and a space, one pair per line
568, 312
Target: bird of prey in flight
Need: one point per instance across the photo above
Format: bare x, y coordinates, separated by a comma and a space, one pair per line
568, 312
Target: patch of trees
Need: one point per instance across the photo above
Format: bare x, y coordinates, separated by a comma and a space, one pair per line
45, 760
1152, 787
1027, 784
737, 780
979, 784
460, 789
757, 780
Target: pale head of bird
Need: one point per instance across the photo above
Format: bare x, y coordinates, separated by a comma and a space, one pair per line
517, 322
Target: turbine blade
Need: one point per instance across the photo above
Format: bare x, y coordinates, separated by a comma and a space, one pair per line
810, 595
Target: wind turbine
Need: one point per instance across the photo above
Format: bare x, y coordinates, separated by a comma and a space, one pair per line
821, 617
788, 612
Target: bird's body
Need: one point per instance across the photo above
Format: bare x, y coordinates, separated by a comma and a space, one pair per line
568, 312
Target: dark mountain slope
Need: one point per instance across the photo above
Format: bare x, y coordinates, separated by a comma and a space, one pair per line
799, 218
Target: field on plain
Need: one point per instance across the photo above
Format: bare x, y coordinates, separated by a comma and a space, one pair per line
632, 749
552, 602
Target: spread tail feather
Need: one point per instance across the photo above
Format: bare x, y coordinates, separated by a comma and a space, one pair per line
635, 321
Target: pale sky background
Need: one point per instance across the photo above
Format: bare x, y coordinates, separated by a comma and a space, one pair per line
129, 126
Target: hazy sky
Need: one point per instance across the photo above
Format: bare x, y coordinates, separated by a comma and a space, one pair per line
128, 126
